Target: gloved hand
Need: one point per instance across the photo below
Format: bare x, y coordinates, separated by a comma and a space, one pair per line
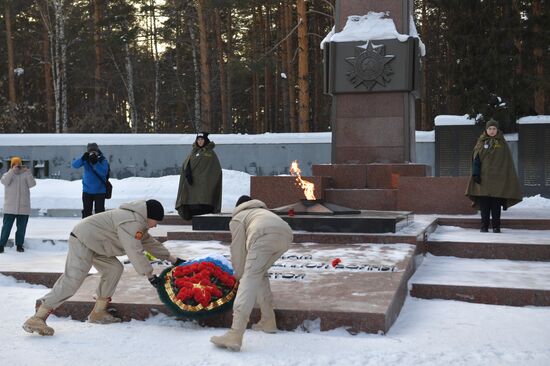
476, 179
188, 174
156, 281
86, 156
179, 261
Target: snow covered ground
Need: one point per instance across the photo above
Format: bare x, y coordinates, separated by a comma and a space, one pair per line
427, 332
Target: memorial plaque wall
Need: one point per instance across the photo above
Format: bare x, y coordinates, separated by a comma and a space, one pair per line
453, 149
534, 159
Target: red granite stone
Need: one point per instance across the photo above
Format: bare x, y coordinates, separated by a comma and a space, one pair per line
174, 220
431, 195
363, 199
283, 190
343, 175
483, 295
494, 250
387, 176
371, 105
526, 224
36, 278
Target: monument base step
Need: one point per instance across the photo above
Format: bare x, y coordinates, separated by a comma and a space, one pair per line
497, 282
510, 223
493, 250
483, 295
363, 293
364, 222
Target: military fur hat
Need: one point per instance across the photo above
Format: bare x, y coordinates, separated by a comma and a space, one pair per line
491, 123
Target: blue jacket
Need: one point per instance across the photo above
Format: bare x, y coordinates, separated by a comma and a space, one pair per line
91, 183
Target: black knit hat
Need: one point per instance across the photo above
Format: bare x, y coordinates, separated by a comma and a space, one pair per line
204, 135
155, 210
243, 199
92, 146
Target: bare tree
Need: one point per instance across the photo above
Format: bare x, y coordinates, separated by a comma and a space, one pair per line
11, 58
303, 59
206, 98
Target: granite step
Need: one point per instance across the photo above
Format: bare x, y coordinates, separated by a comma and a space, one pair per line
510, 223
495, 282
525, 245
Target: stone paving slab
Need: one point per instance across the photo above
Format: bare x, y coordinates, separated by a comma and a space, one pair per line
499, 282
364, 293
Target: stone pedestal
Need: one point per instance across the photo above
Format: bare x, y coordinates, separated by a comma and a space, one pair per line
373, 126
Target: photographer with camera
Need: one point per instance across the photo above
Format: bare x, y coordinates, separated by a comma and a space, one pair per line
94, 187
17, 202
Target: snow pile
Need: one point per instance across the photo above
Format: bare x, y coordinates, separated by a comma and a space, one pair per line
535, 202
375, 26
534, 120
452, 120
62, 194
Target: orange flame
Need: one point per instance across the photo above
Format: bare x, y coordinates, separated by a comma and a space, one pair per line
307, 186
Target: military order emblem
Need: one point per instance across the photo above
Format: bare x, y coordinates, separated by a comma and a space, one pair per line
370, 66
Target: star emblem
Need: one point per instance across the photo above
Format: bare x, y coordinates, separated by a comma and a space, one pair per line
370, 66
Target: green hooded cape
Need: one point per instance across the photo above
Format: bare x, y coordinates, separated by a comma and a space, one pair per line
207, 179
498, 175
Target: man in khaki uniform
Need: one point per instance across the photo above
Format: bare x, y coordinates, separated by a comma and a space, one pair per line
259, 238
96, 241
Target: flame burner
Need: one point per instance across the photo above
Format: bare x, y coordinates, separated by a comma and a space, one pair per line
315, 207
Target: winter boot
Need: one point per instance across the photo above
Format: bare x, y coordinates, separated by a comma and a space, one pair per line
100, 315
20, 248
231, 340
37, 323
267, 323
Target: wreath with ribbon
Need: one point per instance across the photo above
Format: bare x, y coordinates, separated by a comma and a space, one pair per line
198, 288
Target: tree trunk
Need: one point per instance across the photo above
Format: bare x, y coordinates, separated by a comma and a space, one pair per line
538, 54
256, 128
303, 59
284, 78
206, 99
156, 121
290, 69
11, 59
226, 126
196, 69
130, 86
425, 125
63, 68
47, 68
56, 65
229, 54
98, 52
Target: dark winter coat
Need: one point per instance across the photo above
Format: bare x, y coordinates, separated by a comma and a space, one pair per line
492, 162
201, 179
91, 183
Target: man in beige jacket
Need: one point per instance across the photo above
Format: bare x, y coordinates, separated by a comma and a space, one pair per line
17, 202
96, 241
259, 238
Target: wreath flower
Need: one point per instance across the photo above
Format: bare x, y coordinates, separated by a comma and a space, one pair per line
198, 288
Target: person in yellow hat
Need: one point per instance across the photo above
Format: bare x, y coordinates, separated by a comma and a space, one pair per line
17, 202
